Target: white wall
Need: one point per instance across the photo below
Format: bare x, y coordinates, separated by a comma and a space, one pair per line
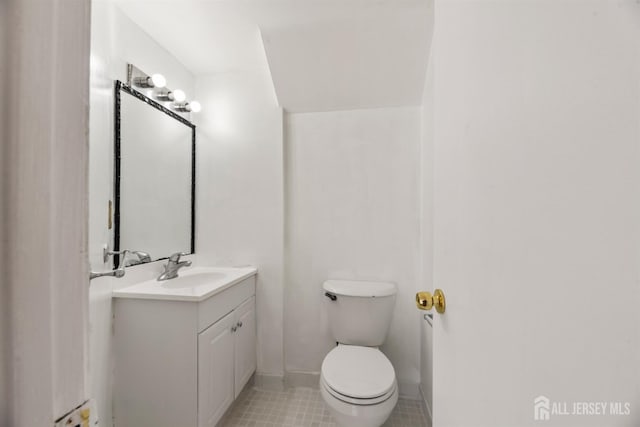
115, 41
240, 192
352, 182
537, 126
45, 271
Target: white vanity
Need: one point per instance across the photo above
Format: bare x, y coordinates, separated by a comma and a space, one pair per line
184, 348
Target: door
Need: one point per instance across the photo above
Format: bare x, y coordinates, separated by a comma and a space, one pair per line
536, 214
215, 371
245, 341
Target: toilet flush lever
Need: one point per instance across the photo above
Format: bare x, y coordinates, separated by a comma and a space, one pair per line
331, 296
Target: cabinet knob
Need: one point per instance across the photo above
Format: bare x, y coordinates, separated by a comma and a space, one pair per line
239, 324
233, 328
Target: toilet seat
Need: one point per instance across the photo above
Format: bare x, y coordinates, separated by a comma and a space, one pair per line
358, 375
354, 400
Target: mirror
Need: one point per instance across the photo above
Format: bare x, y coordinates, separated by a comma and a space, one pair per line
154, 177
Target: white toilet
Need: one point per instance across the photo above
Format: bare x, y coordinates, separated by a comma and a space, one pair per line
357, 381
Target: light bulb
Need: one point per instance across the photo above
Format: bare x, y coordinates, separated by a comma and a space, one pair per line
158, 80
179, 96
195, 106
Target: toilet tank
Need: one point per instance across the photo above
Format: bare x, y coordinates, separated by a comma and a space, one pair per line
359, 312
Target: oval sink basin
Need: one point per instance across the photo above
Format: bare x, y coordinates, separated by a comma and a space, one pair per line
197, 278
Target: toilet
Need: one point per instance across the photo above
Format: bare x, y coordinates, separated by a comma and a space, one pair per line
357, 381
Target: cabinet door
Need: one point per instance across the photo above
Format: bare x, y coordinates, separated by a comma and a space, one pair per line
245, 343
215, 371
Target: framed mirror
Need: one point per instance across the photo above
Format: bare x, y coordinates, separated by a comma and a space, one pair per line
154, 174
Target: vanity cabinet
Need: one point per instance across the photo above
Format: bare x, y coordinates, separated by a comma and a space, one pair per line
181, 363
226, 361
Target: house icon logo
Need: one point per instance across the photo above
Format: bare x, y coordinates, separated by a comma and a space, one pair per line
541, 408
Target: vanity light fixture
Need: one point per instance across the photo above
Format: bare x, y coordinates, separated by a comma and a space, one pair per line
187, 107
165, 95
156, 80
181, 107
156, 87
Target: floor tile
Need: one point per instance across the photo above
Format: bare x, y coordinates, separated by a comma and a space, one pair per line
303, 407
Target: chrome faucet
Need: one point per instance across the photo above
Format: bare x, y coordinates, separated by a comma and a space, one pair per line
143, 257
172, 266
119, 272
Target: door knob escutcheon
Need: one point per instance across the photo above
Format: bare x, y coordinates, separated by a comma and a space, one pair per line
424, 301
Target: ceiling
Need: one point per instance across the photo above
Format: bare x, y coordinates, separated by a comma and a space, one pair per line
322, 54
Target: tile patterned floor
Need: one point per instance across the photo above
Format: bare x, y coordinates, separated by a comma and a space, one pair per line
303, 407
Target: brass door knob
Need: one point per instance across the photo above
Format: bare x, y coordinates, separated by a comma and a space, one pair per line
424, 301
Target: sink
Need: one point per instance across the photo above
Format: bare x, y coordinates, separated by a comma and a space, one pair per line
190, 279
192, 284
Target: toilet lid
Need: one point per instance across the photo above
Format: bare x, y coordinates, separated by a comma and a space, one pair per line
360, 372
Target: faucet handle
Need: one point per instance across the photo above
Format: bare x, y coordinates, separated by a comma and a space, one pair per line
176, 256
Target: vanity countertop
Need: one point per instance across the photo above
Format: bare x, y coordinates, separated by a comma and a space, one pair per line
192, 284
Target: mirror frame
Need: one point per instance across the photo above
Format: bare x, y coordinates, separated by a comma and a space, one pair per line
122, 87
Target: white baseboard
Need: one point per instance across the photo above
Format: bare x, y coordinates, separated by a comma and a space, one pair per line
409, 390
269, 381
290, 379
302, 379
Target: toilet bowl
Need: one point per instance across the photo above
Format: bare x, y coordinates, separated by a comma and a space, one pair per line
358, 385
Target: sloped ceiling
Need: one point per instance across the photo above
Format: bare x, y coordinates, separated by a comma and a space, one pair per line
322, 54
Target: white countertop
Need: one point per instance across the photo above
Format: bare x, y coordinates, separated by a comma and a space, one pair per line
192, 284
